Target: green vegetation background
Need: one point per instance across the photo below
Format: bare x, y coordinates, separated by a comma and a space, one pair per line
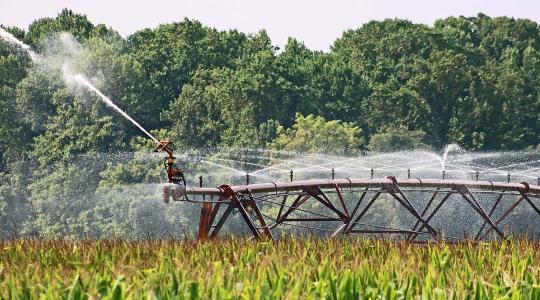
387, 85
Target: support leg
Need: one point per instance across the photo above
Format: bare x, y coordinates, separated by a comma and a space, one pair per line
414, 236
405, 203
425, 209
511, 208
221, 221
259, 216
352, 224
476, 206
490, 215
204, 222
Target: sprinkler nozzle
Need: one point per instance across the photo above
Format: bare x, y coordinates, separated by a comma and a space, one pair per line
175, 174
163, 145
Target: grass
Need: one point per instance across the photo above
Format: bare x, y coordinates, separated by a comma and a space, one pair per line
291, 269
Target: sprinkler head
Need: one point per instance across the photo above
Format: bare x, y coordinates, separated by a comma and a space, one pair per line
164, 145
175, 174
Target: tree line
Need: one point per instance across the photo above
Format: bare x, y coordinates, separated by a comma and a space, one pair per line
387, 85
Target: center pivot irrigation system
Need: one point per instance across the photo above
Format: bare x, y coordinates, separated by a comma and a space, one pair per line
340, 207
347, 206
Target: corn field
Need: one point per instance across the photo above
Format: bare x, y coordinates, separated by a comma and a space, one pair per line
287, 269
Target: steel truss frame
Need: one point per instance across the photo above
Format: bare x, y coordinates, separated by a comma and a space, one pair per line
347, 202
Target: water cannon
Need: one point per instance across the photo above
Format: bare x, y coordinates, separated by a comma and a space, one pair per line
177, 182
166, 145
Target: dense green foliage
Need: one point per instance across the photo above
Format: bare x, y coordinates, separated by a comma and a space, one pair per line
289, 269
312, 134
397, 138
387, 85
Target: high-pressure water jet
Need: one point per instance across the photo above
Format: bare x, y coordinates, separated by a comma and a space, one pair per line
10, 38
82, 80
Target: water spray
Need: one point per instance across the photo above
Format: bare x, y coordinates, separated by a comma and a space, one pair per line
14, 41
177, 182
82, 80
174, 174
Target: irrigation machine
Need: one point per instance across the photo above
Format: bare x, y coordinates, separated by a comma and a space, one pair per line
336, 207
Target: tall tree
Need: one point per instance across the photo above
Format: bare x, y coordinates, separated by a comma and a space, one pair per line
66, 21
171, 54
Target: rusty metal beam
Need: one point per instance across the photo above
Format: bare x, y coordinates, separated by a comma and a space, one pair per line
246, 201
316, 192
217, 227
392, 189
477, 236
204, 222
512, 208
479, 209
340, 197
425, 209
259, 216
414, 236
373, 183
351, 226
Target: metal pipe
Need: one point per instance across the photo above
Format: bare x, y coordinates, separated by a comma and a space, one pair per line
373, 183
